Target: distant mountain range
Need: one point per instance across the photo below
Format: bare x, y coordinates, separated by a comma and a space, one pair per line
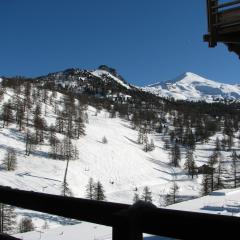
105, 81
192, 87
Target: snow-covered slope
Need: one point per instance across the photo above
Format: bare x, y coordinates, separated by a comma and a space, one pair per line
224, 202
87, 231
121, 165
100, 73
193, 87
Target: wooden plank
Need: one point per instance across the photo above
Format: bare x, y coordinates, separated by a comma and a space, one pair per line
212, 19
224, 5
7, 237
229, 16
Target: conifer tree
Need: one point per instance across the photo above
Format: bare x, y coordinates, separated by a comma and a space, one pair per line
235, 165
90, 189
219, 173
30, 142
1, 94
65, 189
10, 159
171, 197
175, 155
56, 148
59, 123
20, 114
140, 136
190, 165
7, 114
98, 193
146, 195
39, 125
26, 225
212, 161
7, 219
68, 148
166, 145
206, 185
136, 197
146, 145
79, 127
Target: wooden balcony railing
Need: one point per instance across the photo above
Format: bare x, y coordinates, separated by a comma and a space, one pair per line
128, 222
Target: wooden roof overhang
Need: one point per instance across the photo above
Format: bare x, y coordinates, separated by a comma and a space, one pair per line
224, 24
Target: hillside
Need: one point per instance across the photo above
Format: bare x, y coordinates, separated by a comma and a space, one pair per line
116, 134
121, 165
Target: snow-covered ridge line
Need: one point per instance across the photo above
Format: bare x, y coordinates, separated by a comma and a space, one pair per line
192, 87
100, 73
187, 87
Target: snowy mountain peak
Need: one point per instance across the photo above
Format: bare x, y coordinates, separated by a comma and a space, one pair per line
192, 87
185, 77
189, 77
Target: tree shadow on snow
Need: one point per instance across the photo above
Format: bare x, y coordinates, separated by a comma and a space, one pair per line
52, 218
132, 141
5, 147
158, 162
14, 134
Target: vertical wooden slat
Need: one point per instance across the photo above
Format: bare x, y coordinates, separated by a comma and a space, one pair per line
212, 20
126, 232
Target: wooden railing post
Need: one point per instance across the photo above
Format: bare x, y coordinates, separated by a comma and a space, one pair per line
125, 232
128, 225
212, 19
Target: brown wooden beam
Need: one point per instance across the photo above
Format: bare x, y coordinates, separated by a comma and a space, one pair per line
234, 39
223, 5
139, 218
7, 237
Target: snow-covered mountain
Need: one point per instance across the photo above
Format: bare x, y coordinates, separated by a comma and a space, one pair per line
192, 87
141, 130
106, 82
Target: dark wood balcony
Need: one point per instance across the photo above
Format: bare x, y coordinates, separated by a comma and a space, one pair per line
224, 25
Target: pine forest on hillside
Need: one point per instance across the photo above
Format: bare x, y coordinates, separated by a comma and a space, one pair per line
71, 131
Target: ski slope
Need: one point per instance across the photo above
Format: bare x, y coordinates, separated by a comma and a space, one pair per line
121, 165
121, 161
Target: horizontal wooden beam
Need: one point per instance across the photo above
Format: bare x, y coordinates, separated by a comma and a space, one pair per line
224, 39
139, 217
228, 4
7, 237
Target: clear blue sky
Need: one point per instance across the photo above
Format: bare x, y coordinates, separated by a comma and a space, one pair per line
145, 40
